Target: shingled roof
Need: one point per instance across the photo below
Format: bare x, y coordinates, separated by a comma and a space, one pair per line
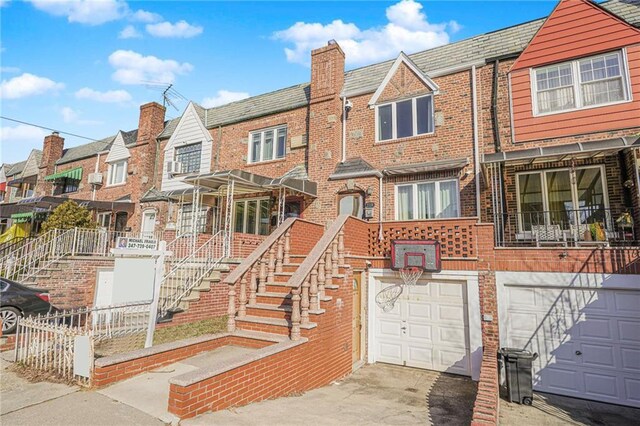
90, 149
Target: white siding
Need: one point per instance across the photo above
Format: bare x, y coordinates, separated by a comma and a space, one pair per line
118, 151
189, 130
32, 167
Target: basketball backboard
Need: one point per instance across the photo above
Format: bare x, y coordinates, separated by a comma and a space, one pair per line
422, 254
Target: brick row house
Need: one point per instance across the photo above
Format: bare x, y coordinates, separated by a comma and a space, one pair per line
518, 150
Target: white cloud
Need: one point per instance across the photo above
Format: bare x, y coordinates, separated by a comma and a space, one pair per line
89, 12
181, 29
4, 3
408, 30
133, 68
223, 97
145, 16
10, 70
27, 85
22, 133
69, 115
129, 32
454, 27
110, 96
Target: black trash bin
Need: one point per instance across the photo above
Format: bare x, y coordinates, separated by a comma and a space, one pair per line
517, 367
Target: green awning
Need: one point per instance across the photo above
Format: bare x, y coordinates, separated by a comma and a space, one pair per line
22, 217
75, 174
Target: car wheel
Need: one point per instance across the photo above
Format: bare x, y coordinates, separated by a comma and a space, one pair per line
9, 317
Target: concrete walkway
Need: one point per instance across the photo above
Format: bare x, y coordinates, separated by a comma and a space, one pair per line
551, 410
375, 394
149, 392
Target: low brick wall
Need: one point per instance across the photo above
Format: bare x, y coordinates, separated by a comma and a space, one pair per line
244, 244
115, 368
485, 409
7, 342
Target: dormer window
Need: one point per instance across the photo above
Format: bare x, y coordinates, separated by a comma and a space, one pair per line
403, 119
583, 83
190, 157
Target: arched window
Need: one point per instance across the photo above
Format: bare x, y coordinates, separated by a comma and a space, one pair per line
351, 203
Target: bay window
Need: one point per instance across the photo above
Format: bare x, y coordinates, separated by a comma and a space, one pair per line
252, 216
427, 200
117, 173
268, 144
562, 197
582, 83
405, 118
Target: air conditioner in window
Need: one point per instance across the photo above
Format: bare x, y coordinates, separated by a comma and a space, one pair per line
95, 178
174, 167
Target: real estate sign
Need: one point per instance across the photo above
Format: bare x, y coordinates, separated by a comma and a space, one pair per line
137, 243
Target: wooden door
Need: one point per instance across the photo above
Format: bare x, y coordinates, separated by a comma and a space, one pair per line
357, 318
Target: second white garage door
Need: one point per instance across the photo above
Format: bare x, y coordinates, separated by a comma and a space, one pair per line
427, 328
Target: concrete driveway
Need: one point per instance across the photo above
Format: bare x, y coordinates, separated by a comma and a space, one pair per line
375, 394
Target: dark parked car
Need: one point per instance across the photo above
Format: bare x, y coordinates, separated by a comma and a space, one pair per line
17, 300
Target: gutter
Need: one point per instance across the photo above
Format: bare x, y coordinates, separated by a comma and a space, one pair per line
344, 129
476, 147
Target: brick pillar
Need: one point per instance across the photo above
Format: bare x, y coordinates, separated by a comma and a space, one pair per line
52, 149
487, 285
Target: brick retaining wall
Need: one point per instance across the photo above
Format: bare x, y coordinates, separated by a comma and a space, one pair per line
486, 407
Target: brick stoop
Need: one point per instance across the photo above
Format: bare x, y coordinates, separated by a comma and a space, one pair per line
486, 407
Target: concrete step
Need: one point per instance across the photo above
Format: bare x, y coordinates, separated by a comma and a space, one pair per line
274, 298
269, 311
271, 325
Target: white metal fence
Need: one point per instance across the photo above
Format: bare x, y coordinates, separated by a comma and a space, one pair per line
189, 272
47, 343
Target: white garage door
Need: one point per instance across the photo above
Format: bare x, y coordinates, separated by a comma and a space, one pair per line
588, 340
427, 328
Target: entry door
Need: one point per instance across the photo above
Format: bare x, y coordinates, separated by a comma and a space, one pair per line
427, 328
121, 221
104, 294
148, 223
357, 318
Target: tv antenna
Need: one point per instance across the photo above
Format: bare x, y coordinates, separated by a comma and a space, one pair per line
169, 94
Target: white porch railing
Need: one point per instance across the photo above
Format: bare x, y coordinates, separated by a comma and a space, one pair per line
47, 342
32, 257
189, 273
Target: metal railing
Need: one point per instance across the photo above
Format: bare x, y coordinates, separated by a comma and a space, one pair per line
189, 272
590, 225
47, 342
36, 254
13, 244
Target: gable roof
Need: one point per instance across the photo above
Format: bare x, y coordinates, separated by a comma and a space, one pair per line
562, 36
403, 59
15, 168
93, 148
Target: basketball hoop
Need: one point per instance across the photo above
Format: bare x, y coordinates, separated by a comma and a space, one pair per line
386, 298
410, 275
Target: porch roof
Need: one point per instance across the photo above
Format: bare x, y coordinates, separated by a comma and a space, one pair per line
48, 203
245, 182
27, 179
431, 166
561, 152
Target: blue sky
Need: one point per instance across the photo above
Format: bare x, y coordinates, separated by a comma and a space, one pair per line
83, 66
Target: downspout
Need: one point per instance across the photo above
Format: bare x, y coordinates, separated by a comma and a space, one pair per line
380, 198
476, 147
95, 170
494, 106
344, 129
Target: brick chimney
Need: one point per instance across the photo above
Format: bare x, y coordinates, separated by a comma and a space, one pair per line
52, 149
151, 122
327, 72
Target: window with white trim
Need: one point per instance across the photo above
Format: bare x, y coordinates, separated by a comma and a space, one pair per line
189, 156
403, 119
267, 144
582, 83
252, 216
428, 200
190, 221
117, 173
104, 220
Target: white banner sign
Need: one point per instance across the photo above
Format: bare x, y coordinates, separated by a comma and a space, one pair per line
137, 243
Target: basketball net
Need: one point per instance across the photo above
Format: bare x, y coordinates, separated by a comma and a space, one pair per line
386, 298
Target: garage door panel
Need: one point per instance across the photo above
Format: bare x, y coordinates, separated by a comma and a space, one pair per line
419, 357
629, 331
451, 313
627, 303
630, 358
600, 384
452, 291
389, 328
419, 311
453, 361
420, 333
597, 355
588, 340
452, 337
390, 352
